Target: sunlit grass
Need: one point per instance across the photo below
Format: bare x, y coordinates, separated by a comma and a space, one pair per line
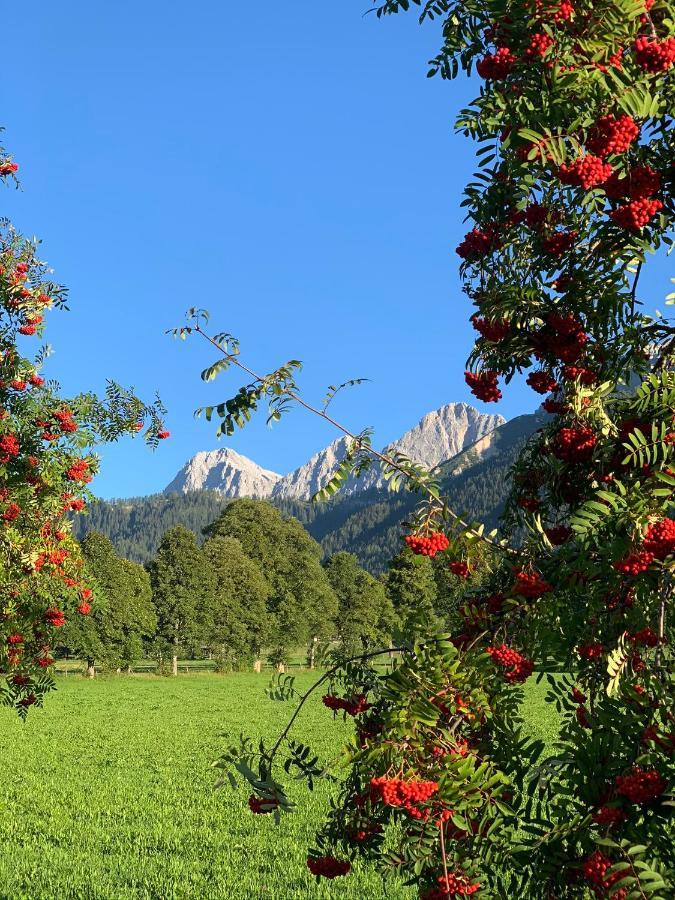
107, 793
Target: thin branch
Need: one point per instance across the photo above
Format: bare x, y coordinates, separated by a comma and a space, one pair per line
388, 461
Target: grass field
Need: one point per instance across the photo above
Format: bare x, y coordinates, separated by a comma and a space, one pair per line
107, 793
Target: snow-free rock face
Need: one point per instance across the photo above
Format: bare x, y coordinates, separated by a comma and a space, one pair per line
305, 481
226, 471
438, 437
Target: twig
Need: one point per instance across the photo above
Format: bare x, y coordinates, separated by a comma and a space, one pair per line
388, 461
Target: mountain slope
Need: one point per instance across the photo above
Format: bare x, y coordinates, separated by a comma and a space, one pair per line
367, 523
226, 471
438, 436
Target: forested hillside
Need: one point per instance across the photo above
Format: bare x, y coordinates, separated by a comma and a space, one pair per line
366, 524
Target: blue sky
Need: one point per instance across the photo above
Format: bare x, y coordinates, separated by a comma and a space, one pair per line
287, 166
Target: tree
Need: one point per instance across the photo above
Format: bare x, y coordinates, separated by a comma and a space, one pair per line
183, 586
122, 615
301, 605
46, 464
365, 613
237, 618
412, 591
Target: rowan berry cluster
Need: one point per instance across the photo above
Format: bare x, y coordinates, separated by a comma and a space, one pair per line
60, 422
591, 651
478, 243
79, 471
653, 55
530, 585
352, 706
635, 563
559, 243
262, 805
494, 331
542, 382
9, 448
558, 534
484, 385
496, 66
328, 866
540, 44
594, 870
519, 667
55, 617
608, 815
588, 171
427, 544
635, 215
660, 538
454, 884
8, 168
460, 568
579, 373
574, 445
640, 182
401, 792
612, 135
640, 785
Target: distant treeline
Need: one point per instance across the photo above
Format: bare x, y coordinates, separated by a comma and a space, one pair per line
256, 587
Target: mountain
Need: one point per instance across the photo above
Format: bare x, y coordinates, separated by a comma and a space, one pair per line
225, 471
438, 436
367, 522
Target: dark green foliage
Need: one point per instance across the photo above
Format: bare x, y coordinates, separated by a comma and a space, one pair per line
183, 586
411, 587
365, 612
236, 621
301, 602
122, 614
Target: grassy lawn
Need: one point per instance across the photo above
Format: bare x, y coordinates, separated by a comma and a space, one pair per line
107, 793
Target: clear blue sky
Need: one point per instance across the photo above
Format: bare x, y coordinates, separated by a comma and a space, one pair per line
286, 165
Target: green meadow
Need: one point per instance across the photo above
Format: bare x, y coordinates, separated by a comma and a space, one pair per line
107, 792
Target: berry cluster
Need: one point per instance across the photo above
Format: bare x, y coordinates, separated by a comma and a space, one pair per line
640, 182
635, 563
479, 242
427, 544
574, 445
640, 785
530, 585
400, 792
579, 373
594, 870
328, 866
496, 66
61, 422
542, 382
353, 707
484, 385
55, 617
660, 538
653, 55
558, 534
540, 43
454, 884
588, 171
491, 330
459, 568
559, 243
591, 651
9, 448
262, 805
519, 667
611, 135
528, 503
635, 215
608, 815
79, 471
8, 168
